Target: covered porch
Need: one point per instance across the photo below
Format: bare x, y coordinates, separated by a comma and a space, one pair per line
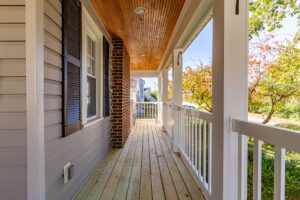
71, 131
145, 168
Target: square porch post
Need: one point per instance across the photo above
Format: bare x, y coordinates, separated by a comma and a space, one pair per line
164, 98
159, 98
35, 99
177, 95
230, 58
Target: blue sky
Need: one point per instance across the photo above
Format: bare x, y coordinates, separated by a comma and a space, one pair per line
201, 48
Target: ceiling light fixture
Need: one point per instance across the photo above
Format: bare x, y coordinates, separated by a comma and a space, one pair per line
140, 10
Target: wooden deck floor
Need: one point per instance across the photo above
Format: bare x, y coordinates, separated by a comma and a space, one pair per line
145, 168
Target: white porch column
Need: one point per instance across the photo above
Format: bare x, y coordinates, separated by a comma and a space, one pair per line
159, 97
230, 47
35, 99
164, 99
177, 93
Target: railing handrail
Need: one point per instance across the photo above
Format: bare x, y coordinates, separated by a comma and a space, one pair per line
193, 127
140, 102
207, 116
281, 137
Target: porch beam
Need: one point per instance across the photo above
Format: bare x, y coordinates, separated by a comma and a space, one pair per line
144, 73
35, 99
230, 47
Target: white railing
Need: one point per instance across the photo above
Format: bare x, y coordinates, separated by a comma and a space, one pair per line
145, 110
282, 139
194, 141
195, 146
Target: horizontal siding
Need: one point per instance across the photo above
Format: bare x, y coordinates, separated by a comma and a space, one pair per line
12, 2
12, 103
12, 50
53, 58
12, 14
13, 138
86, 147
12, 32
12, 85
12, 67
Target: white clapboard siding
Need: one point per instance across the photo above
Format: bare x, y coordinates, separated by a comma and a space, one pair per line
12, 50
12, 85
52, 28
53, 88
12, 32
53, 58
53, 102
13, 134
84, 148
12, 67
12, 2
12, 103
53, 73
12, 14
52, 13
52, 43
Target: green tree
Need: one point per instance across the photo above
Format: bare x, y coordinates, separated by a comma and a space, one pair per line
281, 79
154, 94
269, 14
197, 86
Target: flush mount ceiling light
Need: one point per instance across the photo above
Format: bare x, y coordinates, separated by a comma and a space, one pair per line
140, 10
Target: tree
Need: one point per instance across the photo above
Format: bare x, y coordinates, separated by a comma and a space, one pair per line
261, 55
280, 80
269, 14
197, 86
170, 90
154, 94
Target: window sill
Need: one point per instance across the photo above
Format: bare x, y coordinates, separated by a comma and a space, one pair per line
93, 121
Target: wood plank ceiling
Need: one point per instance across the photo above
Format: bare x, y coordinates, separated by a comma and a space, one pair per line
146, 36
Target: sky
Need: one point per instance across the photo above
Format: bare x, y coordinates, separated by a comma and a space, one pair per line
152, 83
200, 50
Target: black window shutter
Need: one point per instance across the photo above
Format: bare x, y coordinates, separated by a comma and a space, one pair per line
71, 66
106, 101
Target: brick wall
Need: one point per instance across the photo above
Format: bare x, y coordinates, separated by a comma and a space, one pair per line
120, 94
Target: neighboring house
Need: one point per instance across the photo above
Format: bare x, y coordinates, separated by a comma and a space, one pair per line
65, 69
148, 97
147, 93
137, 89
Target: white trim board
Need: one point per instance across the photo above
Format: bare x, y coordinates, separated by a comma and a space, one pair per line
35, 99
90, 29
94, 15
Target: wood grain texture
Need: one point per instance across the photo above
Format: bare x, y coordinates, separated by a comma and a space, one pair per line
146, 37
146, 168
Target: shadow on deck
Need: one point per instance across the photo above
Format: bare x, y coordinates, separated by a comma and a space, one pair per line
145, 168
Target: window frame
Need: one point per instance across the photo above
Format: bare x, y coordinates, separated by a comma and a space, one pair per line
91, 30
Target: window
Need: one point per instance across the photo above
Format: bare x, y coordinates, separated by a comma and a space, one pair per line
91, 78
92, 72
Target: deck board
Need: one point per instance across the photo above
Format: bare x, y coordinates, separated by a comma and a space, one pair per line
146, 168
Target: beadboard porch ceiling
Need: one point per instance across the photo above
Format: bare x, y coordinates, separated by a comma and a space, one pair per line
146, 36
